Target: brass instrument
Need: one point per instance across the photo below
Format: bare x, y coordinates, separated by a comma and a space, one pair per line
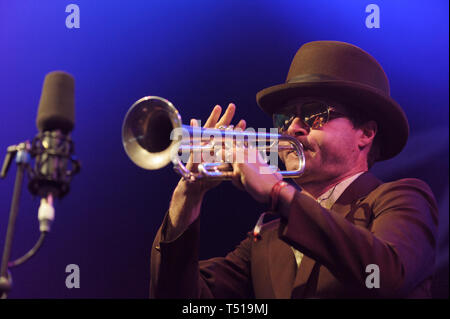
153, 136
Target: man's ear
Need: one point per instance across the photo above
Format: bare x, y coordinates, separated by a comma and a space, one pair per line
368, 132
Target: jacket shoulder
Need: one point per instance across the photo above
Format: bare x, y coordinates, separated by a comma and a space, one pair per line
406, 192
406, 184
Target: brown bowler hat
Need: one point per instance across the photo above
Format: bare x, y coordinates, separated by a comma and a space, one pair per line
349, 75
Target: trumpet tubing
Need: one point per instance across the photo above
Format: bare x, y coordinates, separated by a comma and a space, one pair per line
153, 136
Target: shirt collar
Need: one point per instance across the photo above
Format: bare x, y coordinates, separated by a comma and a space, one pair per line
328, 198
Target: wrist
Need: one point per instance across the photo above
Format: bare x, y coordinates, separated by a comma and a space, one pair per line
184, 208
187, 189
285, 199
275, 194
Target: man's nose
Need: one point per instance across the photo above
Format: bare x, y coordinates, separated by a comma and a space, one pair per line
298, 128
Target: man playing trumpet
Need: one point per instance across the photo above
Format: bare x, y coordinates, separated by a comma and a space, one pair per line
339, 222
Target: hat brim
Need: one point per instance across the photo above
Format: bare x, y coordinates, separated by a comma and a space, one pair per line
393, 128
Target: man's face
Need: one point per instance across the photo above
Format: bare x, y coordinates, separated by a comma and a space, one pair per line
331, 151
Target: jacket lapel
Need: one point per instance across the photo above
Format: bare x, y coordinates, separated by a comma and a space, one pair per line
282, 266
360, 188
302, 277
357, 190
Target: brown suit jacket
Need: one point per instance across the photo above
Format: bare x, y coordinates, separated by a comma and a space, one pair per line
392, 225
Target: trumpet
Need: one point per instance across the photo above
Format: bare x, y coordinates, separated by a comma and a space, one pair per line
153, 136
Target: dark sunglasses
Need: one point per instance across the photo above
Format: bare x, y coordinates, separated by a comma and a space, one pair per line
313, 114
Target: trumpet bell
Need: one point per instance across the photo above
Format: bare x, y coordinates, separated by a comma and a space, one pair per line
146, 132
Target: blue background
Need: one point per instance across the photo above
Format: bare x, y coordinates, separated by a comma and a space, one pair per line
196, 54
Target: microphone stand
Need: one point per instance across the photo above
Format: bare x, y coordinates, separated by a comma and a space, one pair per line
22, 158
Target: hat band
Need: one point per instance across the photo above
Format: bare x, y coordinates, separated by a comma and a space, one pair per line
311, 78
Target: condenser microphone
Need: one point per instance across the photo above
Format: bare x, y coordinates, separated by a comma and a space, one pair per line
54, 164
52, 148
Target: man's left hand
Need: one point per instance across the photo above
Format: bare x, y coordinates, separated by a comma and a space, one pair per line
254, 176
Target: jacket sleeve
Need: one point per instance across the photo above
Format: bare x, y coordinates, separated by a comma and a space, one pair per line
176, 272
400, 239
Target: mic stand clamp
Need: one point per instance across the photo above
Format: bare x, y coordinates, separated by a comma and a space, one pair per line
22, 153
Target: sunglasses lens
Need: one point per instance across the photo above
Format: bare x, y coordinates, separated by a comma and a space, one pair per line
315, 114
282, 121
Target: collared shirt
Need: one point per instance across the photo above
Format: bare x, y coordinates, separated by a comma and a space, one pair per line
327, 201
